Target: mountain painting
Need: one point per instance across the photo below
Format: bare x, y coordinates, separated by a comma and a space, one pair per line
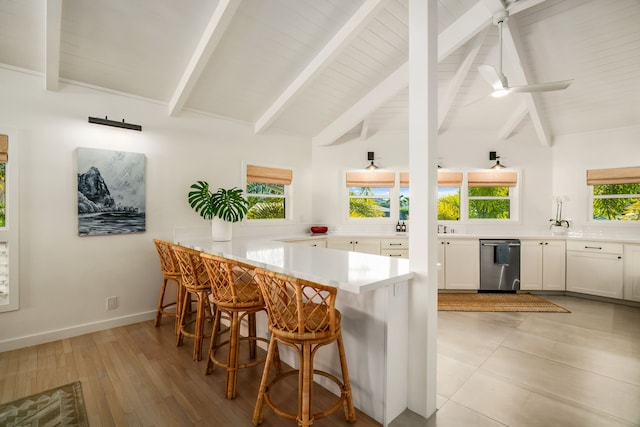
111, 192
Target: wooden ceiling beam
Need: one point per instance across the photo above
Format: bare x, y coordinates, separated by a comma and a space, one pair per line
333, 48
206, 46
53, 23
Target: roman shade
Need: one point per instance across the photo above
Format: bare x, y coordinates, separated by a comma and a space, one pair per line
628, 175
404, 179
4, 148
449, 179
371, 179
269, 175
492, 179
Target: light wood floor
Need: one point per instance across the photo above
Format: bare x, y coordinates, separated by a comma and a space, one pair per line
136, 376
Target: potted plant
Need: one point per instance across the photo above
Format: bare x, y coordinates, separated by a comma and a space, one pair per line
223, 207
558, 224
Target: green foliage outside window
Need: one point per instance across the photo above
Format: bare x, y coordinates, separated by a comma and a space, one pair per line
365, 203
449, 204
617, 202
266, 201
3, 168
404, 204
489, 203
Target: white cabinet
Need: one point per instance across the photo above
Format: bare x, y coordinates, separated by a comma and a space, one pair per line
367, 246
542, 265
631, 272
460, 264
595, 268
397, 248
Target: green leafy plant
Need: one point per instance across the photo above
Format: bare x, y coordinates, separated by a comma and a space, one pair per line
226, 204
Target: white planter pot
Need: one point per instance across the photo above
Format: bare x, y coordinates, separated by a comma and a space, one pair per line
558, 230
220, 230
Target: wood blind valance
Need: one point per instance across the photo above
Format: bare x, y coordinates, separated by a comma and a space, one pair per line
449, 179
269, 175
629, 175
371, 179
492, 179
4, 148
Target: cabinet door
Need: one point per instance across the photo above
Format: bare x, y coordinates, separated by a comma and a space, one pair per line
367, 246
632, 272
594, 273
462, 264
441, 262
531, 264
554, 265
340, 243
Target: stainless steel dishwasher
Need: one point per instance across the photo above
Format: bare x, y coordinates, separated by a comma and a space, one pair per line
499, 265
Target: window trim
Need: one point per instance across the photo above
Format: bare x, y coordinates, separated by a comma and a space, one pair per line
359, 178
10, 232
489, 178
610, 176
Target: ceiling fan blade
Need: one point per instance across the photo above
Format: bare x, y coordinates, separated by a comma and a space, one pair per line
542, 87
491, 76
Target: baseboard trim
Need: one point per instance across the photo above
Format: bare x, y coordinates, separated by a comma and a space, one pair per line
74, 331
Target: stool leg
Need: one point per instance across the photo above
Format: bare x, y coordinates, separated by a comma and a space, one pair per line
349, 410
305, 387
160, 302
179, 300
186, 300
211, 354
199, 331
232, 358
258, 412
252, 334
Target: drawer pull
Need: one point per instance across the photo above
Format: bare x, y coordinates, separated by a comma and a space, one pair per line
395, 244
593, 247
395, 255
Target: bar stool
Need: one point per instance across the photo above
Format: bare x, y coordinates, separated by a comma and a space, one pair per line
195, 282
236, 294
302, 315
170, 272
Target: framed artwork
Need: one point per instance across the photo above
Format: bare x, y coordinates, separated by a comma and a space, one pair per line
111, 192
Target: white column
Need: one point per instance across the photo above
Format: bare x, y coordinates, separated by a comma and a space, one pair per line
423, 122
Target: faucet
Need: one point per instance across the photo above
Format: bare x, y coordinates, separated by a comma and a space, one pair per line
442, 229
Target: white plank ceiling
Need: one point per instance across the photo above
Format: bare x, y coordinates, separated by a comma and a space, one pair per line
332, 70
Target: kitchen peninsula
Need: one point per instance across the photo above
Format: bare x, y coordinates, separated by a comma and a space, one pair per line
373, 301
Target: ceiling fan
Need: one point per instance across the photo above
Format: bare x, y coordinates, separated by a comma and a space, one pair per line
498, 80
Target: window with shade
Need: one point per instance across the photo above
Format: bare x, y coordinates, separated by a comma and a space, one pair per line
370, 194
268, 192
615, 194
491, 195
449, 184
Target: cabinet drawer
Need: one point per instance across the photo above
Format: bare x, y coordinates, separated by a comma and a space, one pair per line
595, 247
394, 244
395, 253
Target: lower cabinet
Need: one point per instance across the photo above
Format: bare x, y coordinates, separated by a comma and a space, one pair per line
631, 287
459, 261
396, 248
595, 268
542, 265
367, 246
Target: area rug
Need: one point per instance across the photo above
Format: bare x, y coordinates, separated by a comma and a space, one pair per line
496, 302
60, 406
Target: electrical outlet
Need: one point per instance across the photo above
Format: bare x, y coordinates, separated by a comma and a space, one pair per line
112, 303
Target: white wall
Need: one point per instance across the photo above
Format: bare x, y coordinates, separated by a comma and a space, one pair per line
65, 279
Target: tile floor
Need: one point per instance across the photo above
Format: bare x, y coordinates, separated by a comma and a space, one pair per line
538, 369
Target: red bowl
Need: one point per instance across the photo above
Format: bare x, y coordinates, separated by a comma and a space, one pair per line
319, 229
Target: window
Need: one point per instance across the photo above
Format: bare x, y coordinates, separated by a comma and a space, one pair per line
9, 249
370, 194
449, 184
490, 195
403, 200
267, 192
615, 194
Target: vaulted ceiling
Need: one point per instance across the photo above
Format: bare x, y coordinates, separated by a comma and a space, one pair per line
332, 70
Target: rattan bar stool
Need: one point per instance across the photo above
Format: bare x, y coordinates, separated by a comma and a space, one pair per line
195, 282
235, 293
170, 272
302, 315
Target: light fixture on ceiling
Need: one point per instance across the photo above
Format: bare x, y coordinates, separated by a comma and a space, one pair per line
107, 122
372, 165
494, 156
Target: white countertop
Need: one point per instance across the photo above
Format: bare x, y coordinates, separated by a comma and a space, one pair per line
349, 271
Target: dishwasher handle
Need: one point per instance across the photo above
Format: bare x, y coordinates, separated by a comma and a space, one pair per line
496, 244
